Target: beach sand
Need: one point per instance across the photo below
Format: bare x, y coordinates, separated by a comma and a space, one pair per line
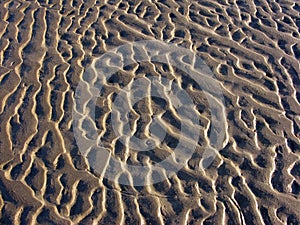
253, 50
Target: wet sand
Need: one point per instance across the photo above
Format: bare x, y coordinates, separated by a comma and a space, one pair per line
253, 50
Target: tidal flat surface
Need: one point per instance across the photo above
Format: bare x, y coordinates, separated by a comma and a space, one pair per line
252, 49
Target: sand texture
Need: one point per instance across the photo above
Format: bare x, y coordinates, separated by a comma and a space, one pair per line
251, 47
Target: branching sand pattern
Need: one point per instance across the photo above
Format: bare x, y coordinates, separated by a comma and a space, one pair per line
253, 49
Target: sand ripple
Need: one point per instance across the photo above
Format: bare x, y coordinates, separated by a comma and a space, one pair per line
252, 47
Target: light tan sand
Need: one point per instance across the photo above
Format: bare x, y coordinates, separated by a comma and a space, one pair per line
253, 49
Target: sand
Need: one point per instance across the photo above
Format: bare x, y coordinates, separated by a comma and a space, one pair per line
251, 47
